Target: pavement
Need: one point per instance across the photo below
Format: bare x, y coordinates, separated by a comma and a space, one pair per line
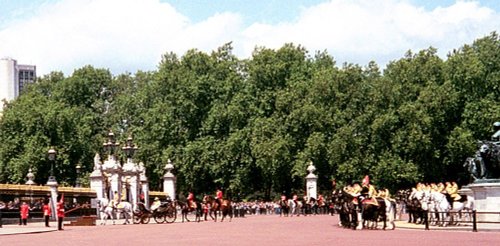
39, 227
35, 227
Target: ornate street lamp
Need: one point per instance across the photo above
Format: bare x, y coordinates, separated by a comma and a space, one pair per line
52, 154
129, 148
111, 144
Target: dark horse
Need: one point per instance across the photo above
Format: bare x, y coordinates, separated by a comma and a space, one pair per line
284, 208
373, 210
347, 207
225, 208
414, 208
185, 209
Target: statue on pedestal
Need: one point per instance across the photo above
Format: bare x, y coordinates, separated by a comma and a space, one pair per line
486, 162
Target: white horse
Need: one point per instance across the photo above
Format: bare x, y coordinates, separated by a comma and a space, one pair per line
441, 205
126, 209
105, 210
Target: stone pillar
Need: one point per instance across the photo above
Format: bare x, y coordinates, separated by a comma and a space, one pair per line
144, 183
53, 197
133, 188
112, 169
97, 179
169, 180
311, 182
130, 179
145, 192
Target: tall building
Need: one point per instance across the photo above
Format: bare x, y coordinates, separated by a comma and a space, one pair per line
13, 78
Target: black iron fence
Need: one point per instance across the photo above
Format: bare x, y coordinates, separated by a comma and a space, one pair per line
471, 214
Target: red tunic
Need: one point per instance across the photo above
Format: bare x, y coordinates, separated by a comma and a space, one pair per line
24, 211
46, 210
219, 194
60, 209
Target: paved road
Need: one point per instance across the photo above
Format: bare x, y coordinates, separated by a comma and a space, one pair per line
252, 230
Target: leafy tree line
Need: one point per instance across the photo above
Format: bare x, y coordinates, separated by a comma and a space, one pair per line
251, 125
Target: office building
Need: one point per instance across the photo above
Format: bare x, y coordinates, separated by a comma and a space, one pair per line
13, 78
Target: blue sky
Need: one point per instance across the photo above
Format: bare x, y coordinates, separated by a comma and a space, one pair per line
131, 35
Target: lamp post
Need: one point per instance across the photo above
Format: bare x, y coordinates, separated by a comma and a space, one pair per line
78, 168
52, 183
110, 146
129, 148
52, 157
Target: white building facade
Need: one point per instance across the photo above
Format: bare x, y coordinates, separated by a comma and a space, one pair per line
13, 78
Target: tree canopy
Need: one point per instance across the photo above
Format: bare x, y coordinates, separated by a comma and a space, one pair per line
252, 125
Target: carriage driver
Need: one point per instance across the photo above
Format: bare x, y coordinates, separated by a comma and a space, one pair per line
219, 196
156, 204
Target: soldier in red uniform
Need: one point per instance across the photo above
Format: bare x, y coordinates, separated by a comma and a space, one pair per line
219, 196
24, 211
190, 199
321, 200
46, 212
60, 213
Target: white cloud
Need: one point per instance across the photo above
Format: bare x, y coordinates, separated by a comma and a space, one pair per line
358, 31
128, 35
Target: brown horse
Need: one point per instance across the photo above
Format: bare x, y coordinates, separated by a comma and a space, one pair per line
225, 208
185, 209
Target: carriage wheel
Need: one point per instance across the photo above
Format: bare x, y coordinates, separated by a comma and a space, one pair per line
145, 219
170, 215
159, 218
137, 218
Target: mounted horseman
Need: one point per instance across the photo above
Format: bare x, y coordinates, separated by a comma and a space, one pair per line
190, 199
219, 196
374, 207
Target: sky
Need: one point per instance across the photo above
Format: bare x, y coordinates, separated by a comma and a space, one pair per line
125, 36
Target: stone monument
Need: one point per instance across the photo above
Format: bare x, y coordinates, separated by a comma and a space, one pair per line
484, 169
311, 181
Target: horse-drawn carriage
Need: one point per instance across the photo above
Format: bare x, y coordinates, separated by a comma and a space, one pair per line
166, 212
